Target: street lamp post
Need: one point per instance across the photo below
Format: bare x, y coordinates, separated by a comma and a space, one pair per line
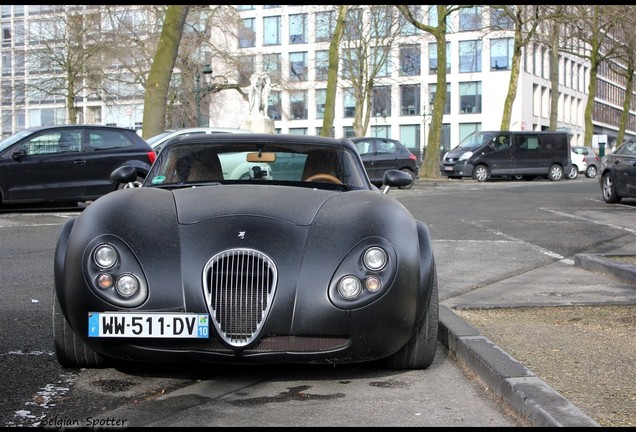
207, 72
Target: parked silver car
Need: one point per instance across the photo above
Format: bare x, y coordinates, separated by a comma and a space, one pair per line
593, 161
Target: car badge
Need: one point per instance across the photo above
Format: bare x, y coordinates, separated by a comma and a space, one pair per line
241, 234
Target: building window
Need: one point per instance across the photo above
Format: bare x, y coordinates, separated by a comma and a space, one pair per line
274, 106
298, 131
470, 18
432, 58
410, 137
247, 33
406, 28
353, 32
321, 98
245, 70
470, 97
322, 65
349, 103
298, 105
470, 56
500, 19
380, 17
466, 129
410, 99
381, 101
410, 60
380, 61
271, 30
348, 132
271, 66
298, 66
325, 25
432, 89
298, 29
501, 53
381, 131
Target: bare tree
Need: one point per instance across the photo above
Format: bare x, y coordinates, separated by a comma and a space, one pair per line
588, 29
161, 71
625, 42
524, 20
366, 48
430, 167
332, 74
67, 53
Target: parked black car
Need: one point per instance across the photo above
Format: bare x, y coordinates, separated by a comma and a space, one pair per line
68, 163
381, 154
618, 173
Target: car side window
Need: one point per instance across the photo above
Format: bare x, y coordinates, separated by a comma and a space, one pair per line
101, 140
53, 143
364, 147
386, 147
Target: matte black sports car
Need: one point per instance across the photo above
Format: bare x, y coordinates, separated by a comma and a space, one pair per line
308, 263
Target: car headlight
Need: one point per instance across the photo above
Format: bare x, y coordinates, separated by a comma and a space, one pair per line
127, 285
374, 258
105, 256
114, 273
466, 155
364, 275
349, 287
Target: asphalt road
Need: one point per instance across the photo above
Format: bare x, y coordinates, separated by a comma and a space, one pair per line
481, 232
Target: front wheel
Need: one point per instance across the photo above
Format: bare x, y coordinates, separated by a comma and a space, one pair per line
609, 190
555, 173
71, 351
419, 351
480, 173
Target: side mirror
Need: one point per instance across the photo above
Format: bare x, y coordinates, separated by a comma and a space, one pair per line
395, 178
124, 174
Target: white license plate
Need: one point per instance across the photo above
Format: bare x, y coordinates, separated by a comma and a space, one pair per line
148, 325
448, 168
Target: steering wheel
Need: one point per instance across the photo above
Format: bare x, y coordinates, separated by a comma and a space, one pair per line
324, 178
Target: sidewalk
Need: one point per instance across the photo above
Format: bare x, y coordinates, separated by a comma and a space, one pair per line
610, 279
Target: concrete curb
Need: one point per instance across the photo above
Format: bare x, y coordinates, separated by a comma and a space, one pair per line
602, 264
524, 392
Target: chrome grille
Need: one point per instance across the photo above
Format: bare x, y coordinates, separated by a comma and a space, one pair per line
239, 285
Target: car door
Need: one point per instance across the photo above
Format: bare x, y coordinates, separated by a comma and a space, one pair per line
500, 155
45, 166
105, 150
527, 154
386, 156
367, 150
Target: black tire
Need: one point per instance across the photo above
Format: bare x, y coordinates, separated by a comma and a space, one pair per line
591, 171
419, 351
609, 190
412, 174
70, 350
136, 183
555, 173
481, 173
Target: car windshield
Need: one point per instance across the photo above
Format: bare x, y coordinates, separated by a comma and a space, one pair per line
8, 141
476, 139
327, 166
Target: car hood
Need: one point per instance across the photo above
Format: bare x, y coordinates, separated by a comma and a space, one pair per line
294, 205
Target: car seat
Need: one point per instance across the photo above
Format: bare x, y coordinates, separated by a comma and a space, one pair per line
204, 166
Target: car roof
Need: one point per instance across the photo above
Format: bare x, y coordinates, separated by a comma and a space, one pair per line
256, 137
80, 126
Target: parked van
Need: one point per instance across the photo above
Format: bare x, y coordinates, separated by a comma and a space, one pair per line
522, 155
